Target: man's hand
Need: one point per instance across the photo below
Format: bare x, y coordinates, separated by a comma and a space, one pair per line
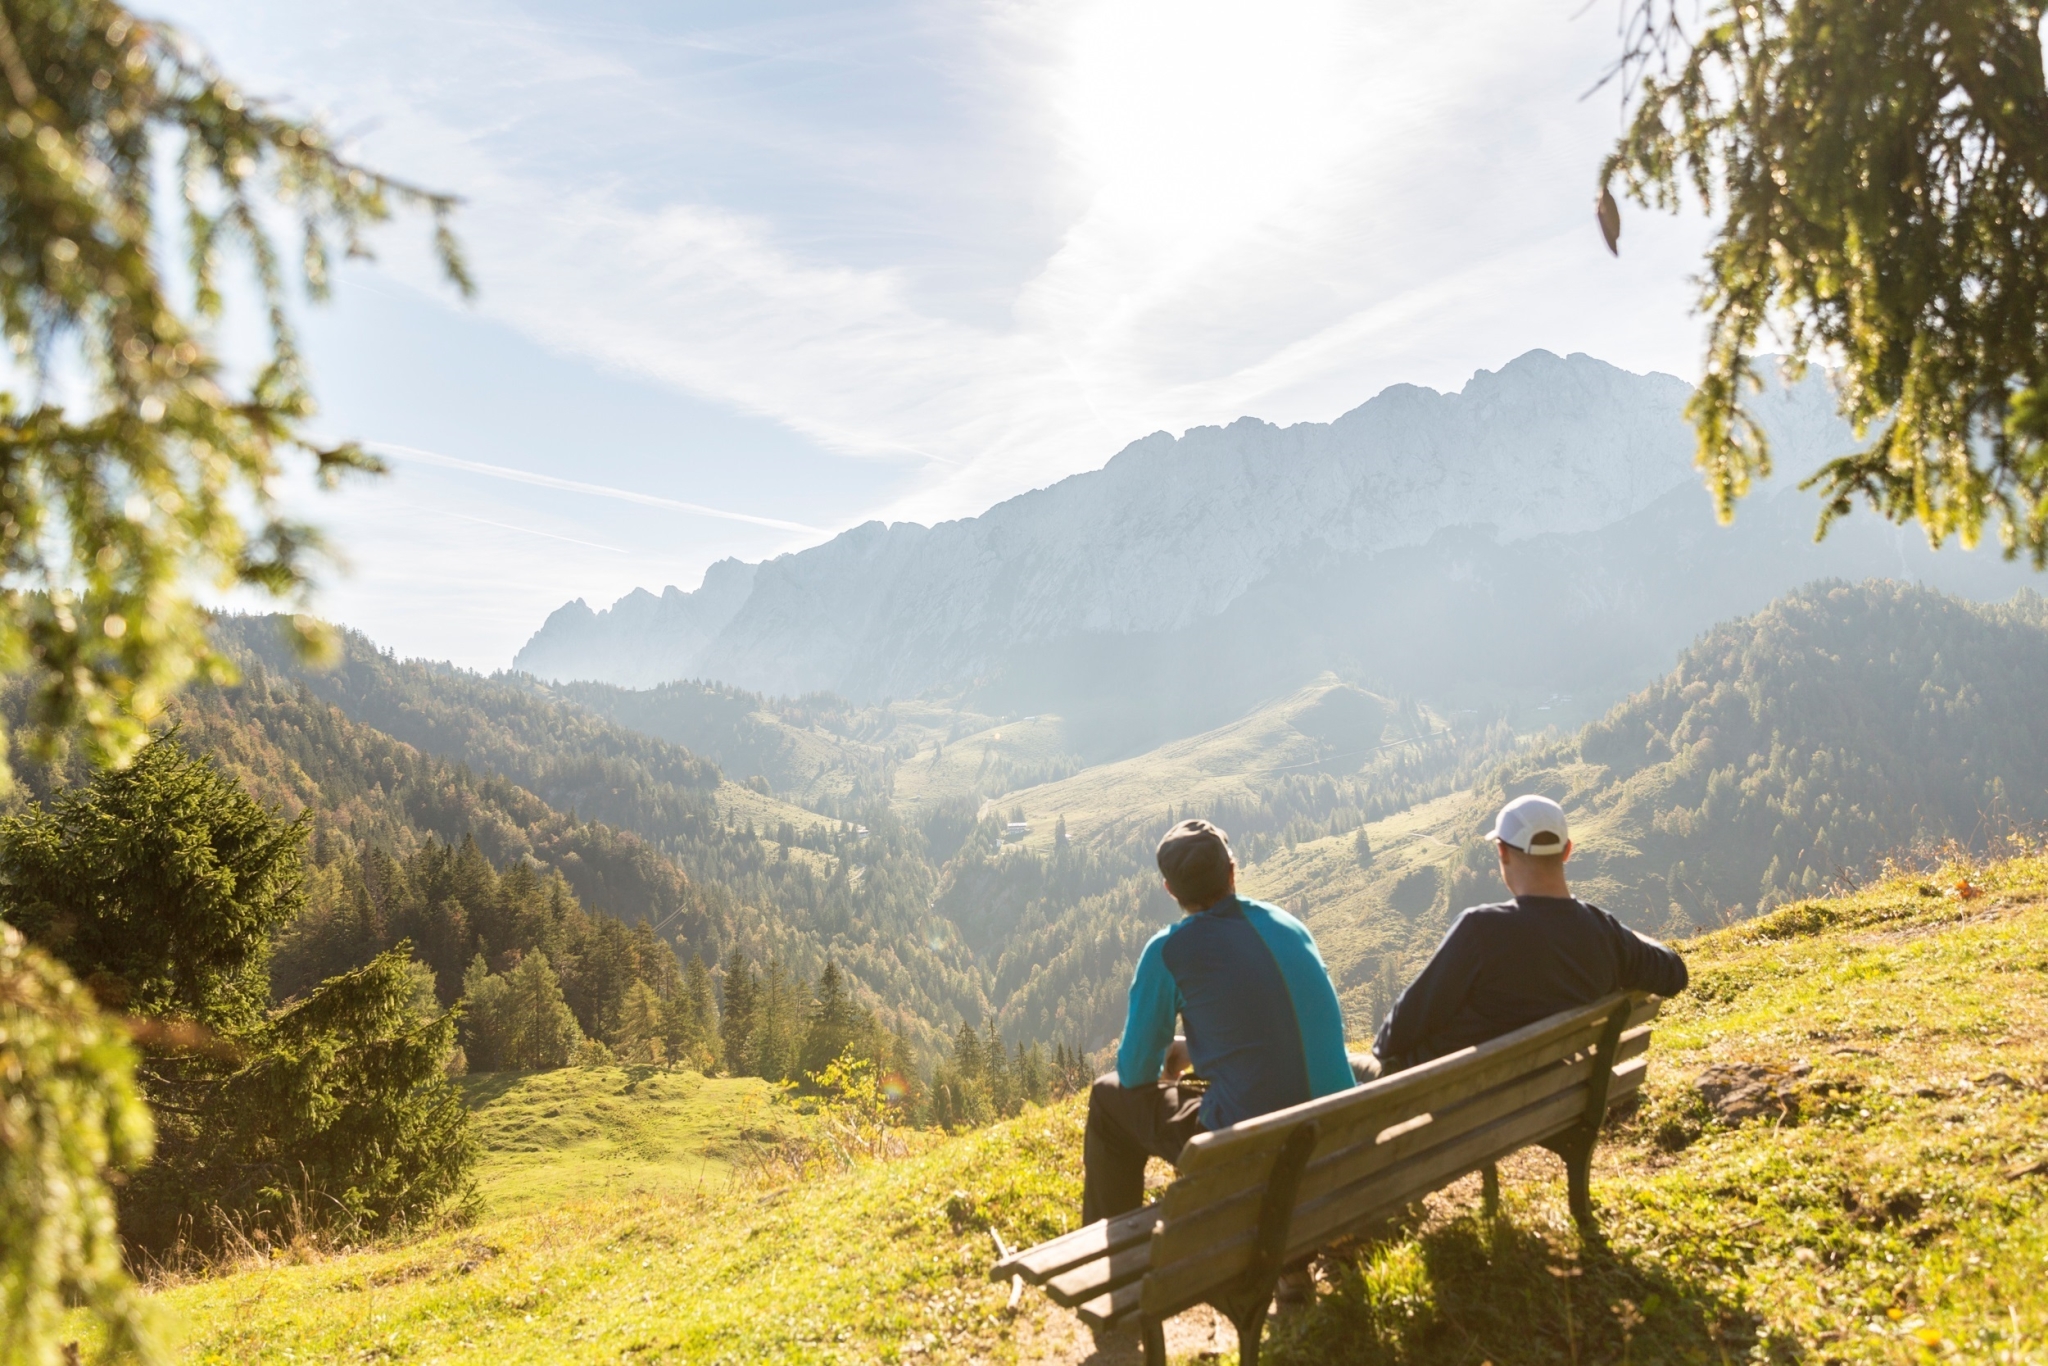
1176, 1062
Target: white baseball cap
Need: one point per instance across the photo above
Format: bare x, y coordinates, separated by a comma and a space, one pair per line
1532, 824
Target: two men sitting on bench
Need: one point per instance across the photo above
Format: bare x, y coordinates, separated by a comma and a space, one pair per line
1264, 1029
1512, 963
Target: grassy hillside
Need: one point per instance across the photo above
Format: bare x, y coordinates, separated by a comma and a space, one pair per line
1897, 1211
974, 757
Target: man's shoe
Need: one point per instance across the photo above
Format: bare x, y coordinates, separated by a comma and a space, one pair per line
1295, 1292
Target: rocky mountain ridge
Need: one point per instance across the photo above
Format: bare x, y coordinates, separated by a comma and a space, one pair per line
1169, 532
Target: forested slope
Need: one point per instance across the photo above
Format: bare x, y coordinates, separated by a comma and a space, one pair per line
826, 894
1840, 723
938, 918
1787, 752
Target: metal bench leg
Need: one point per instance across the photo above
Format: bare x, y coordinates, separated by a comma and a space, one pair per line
1154, 1334
1578, 1175
1577, 1149
1250, 1329
1247, 1309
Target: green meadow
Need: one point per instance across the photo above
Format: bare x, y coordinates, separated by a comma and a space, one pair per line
585, 1133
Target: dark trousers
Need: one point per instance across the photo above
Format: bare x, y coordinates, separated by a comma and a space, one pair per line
1126, 1125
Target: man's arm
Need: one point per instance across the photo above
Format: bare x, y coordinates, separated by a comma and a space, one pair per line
1647, 965
1432, 999
1148, 1022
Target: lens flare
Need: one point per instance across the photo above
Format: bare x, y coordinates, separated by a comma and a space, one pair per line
895, 1090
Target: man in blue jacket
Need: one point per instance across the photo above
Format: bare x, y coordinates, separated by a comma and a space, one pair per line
1512, 963
1263, 1027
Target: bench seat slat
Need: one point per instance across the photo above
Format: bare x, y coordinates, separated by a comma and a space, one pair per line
1088, 1243
1092, 1278
1206, 1217
1390, 1190
1107, 1311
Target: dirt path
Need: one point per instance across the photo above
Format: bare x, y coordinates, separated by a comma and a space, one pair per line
1056, 1337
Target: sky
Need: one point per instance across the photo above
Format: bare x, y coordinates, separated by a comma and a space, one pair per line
752, 273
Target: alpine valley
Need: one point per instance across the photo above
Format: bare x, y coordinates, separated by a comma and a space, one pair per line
935, 759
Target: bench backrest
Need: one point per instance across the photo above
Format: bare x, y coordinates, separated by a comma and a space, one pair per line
1380, 1146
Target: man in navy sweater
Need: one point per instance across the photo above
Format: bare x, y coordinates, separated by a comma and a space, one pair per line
1509, 964
1263, 1025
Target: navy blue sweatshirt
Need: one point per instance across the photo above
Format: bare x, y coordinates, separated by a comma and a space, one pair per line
1510, 964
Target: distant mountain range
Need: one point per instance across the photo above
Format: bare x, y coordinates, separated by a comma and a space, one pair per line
1538, 536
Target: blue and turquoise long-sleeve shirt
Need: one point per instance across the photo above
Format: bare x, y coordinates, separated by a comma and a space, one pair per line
1263, 1024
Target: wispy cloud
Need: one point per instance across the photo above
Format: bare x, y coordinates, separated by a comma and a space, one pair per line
551, 481
1252, 204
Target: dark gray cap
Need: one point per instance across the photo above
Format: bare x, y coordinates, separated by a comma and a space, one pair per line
1194, 858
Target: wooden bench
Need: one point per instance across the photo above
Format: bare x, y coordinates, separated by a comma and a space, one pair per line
1254, 1197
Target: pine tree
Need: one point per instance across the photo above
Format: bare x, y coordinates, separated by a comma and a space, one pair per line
834, 1022
967, 1052
1002, 1088
160, 884
484, 1041
541, 1030
776, 1043
900, 1071
1032, 1083
641, 1036
690, 1020
473, 884
347, 1099
739, 991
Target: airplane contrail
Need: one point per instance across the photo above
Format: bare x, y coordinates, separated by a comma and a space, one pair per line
531, 531
549, 481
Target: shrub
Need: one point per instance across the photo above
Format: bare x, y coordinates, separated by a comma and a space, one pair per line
161, 886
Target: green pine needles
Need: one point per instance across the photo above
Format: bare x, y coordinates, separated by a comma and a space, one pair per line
1877, 175
69, 1118
163, 475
